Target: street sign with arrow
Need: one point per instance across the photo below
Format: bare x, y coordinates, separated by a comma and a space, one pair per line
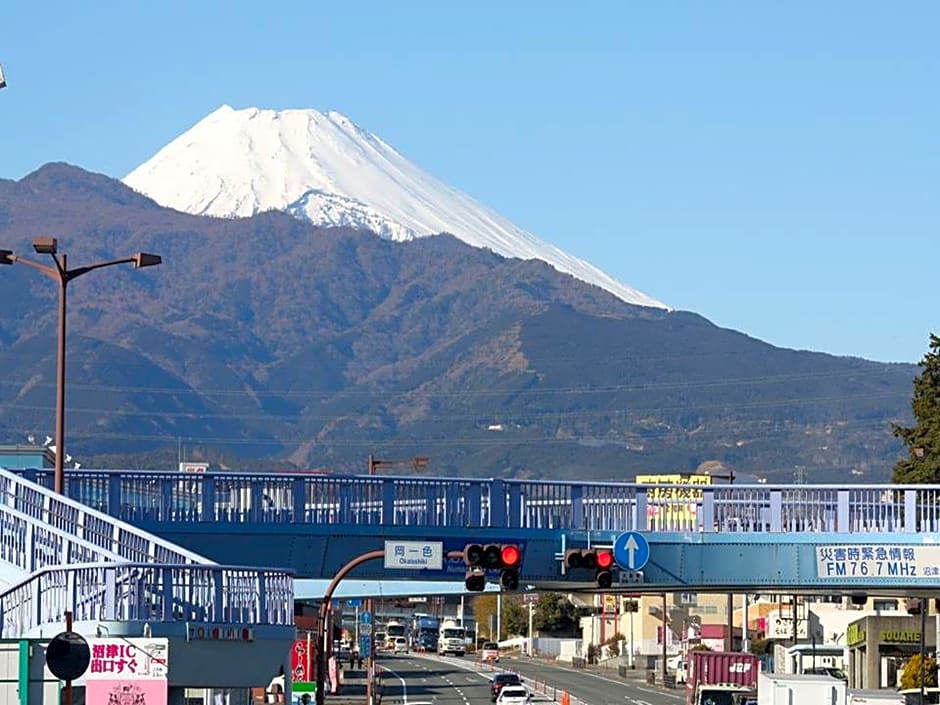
631, 550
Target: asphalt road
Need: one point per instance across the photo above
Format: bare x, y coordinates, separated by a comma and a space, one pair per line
412, 680
432, 680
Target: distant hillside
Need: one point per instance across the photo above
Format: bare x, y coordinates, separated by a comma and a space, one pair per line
268, 340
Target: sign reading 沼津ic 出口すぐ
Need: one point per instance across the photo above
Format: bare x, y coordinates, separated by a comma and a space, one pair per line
127, 670
839, 561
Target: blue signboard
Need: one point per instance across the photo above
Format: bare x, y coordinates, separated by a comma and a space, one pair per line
365, 617
631, 550
365, 643
354, 602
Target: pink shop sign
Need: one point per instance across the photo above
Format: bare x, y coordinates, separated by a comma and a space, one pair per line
126, 692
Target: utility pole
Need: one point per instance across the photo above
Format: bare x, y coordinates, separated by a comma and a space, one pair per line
499, 616
531, 612
665, 626
632, 650
744, 630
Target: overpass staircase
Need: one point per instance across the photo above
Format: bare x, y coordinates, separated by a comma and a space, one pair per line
58, 555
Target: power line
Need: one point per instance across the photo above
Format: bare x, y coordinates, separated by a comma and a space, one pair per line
411, 394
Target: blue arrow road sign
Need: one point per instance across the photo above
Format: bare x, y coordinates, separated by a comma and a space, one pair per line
631, 550
365, 617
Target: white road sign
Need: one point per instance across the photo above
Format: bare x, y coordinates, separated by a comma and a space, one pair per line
838, 561
414, 555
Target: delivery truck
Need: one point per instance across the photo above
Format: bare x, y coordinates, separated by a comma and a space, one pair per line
720, 678
788, 689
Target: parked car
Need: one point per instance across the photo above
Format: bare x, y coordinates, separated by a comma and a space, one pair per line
490, 652
499, 681
401, 645
513, 695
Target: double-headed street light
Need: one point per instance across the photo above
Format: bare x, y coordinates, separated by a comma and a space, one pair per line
63, 275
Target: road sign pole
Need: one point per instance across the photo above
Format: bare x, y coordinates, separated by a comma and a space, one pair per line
632, 652
324, 637
370, 657
67, 695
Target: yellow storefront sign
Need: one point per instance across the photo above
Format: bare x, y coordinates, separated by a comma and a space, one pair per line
900, 637
674, 499
854, 634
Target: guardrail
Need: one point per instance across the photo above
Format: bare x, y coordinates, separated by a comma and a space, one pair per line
145, 592
41, 528
441, 502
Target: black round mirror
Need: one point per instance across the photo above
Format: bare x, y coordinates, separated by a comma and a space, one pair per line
68, 656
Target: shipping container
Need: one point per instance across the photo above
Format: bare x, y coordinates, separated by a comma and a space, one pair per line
781, 689
720, 676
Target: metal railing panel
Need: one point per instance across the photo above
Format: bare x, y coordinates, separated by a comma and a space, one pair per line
448, 502
42, 528
145, 592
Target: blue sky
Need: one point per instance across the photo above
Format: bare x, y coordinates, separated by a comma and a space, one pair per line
771, 166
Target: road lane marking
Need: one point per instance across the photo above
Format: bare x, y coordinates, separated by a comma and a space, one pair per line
404, 685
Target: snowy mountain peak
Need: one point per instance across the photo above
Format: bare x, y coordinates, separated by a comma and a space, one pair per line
324, 167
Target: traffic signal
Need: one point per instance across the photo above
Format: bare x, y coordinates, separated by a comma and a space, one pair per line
600, 561
475, 580
506, 558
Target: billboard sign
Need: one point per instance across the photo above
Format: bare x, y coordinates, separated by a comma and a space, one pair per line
128, 671
674, 497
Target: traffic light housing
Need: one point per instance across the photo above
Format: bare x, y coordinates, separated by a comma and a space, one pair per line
601, 561
506, 558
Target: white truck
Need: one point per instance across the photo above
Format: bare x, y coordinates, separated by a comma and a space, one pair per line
785, 689
452, 639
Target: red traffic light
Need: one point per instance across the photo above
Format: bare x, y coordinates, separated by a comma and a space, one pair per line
589, 558
511, 556
492, 556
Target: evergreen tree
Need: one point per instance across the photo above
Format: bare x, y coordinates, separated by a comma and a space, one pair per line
554, 613
923, 439
514, 619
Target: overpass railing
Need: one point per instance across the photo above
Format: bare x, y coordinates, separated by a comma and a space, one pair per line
145, 592
39, 528
135, 496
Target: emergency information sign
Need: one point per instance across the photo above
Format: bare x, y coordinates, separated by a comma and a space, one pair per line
838, 561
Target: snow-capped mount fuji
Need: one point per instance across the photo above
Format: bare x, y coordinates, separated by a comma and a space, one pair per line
323, 167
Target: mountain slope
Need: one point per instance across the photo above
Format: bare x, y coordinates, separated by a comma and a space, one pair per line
266, 340
237, 163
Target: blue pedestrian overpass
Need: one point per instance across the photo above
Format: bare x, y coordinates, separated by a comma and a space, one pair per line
804, 538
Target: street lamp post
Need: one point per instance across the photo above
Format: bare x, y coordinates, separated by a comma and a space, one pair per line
63, 275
